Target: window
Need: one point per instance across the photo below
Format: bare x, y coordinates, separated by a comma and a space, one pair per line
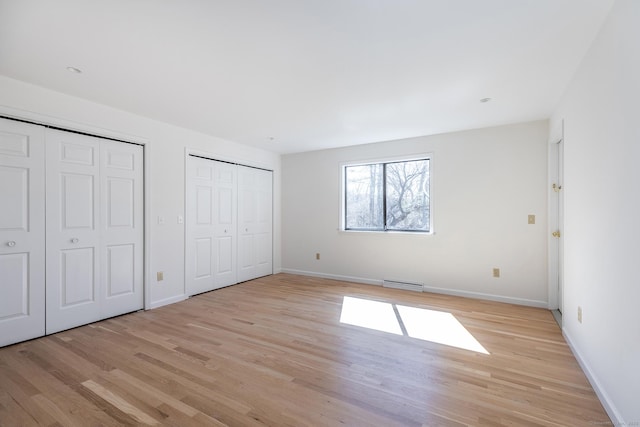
387, 196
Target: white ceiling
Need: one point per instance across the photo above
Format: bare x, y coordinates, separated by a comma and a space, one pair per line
310, 74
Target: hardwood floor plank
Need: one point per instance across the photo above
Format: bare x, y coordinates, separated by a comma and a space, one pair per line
120, 403
273, 351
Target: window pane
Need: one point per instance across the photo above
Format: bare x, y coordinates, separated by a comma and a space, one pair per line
408, 195
364, 207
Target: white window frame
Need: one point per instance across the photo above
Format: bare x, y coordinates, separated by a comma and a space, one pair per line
413, 157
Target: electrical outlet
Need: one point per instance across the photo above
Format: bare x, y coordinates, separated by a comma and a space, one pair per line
318, 255
579, 314
496, 272
160, 276
531, 219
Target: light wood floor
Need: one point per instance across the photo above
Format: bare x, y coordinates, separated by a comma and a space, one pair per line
273, 351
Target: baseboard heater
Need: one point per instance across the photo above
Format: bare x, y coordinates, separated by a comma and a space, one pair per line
407, 286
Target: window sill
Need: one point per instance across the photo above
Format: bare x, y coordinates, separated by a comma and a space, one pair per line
388, 232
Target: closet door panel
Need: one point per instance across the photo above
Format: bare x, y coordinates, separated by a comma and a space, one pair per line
199, 251
121, 246
225, 223
264, 223
94, 231
255, 223
73, 236
211, 225
22, 232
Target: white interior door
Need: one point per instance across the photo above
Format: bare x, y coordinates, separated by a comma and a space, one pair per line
556, 221
254, 223
199, 250
73, 230
94, 229
122, 228
22, 232
560, 222
225, 223
211, 225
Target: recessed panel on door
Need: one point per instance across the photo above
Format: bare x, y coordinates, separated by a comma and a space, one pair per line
14, 144
15, 286
14, 196
78, 199
204, 172
120, 270
246, 251
120, 159
203, 205
224, 205
77, 277
203, 258
120, 194
248, 207
225, 255
77, 154
263, 248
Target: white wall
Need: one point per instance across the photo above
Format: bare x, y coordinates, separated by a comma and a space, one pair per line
484, 184
602, 212
165, 154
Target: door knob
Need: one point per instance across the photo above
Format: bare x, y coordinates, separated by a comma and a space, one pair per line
556, 233
75, 240
11, 244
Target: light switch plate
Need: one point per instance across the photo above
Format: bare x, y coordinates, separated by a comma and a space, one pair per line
531, 219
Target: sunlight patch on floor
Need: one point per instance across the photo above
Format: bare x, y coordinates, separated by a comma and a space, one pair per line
429, 325
370, 314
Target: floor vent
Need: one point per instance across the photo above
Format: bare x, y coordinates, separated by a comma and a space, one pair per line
407, 286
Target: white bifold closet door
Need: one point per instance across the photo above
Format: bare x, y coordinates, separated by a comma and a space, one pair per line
255, 223
22, 231
94, 229
228, 224
211, 225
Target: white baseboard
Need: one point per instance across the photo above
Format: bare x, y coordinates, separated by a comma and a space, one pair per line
612, 411
489, 297
166, 301
445, 291
333, 276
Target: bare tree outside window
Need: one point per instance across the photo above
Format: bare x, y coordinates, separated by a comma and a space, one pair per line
388, 196
364, 197
407, 185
